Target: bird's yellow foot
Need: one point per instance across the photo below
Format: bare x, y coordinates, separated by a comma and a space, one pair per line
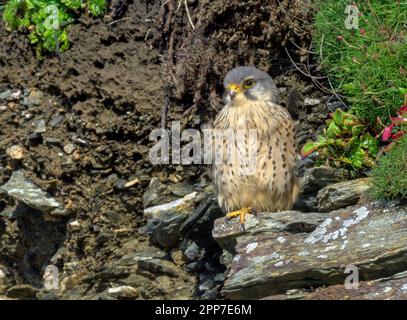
240, 213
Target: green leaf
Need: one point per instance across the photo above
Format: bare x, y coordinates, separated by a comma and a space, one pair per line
97, 7
338, 116
370, 143
358, 158
333, 131
309, 148
357, 130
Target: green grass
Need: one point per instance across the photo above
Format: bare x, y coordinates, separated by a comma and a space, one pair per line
36, 18
390, 176
369, 65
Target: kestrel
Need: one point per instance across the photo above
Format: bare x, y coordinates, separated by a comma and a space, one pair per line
251, 102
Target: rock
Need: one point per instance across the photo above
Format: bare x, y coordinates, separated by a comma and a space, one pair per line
57, 120
370, 237
5, 95
69, 148
158, 193
319, 177
332, 106
312, 180
52, 141
4, 281
22, 190
342, 194
16, 95
15, 152
131, 183
40, 126
220, 277
206, 285
164, 221
74, 225
3, 108
35, 98
156, 262
311, 102
34, 139
382, 289
192, 252
22, 291
227, 232
177, 257
126, 292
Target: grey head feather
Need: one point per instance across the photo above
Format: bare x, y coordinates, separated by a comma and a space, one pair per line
264, 87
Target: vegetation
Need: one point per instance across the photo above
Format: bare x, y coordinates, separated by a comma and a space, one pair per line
367, 64
46, 21
390, 176
345, 142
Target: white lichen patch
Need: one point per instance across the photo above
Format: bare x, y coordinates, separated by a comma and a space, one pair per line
361, 214
366, 245
304, 253
251, 222
281, 239
404, 287
322, 256
329, 248
262, 259
320, 233
251, 246
236, 258
279, 264
387, 289
343, 246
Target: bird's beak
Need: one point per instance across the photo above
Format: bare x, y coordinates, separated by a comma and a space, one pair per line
234, 89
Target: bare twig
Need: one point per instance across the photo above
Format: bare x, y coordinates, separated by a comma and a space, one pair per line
188, 15
329, 81
299, 69
119, 20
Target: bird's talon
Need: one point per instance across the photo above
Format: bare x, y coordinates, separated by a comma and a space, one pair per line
241, 214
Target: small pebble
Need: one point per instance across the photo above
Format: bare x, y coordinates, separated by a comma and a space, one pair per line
15, 152
69, 148
311, 102
40, 126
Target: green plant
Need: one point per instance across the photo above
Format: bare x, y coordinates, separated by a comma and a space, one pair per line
345, 142
389, 178
46, 21
367, 64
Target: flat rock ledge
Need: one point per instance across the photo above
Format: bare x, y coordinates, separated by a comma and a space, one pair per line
275, 258
394, 288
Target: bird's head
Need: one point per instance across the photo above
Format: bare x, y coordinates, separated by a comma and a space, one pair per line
249, 83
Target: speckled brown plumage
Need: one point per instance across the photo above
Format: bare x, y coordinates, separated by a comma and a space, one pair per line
272, 186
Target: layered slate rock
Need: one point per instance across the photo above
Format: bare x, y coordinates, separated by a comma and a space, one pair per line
342, 194
383, 289
24, 191
370, 237
226, 232
314, 179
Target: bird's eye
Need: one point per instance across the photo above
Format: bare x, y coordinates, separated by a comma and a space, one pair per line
248, 83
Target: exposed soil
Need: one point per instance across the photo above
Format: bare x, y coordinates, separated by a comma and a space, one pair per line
106, 95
